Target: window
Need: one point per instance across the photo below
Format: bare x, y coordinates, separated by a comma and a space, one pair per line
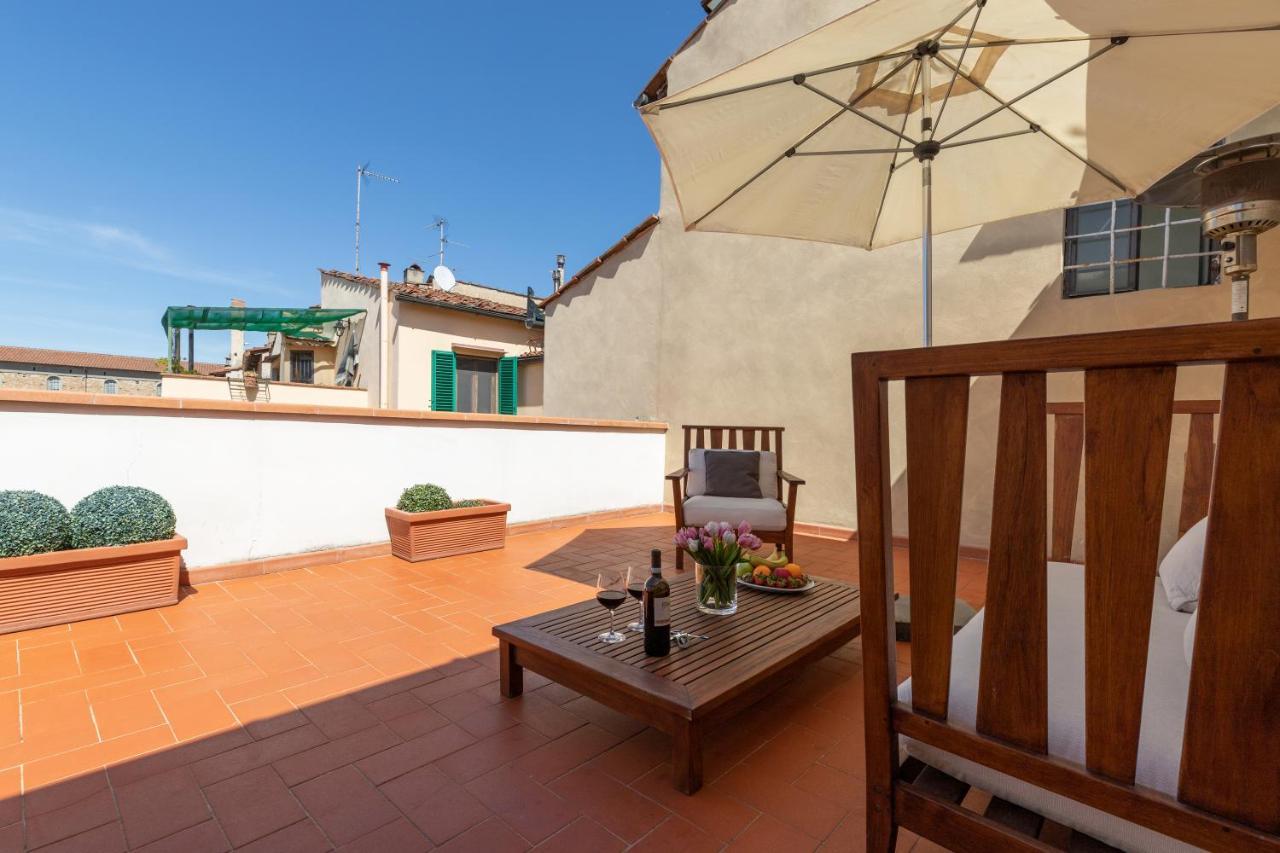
477, 385
1121, 246
302, 366
109, 387
462, 383
53, 383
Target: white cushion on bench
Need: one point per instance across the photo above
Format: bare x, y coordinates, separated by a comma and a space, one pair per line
760, 513
1163, 713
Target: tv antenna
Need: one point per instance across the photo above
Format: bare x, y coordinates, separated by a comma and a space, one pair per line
363, 172
442, 225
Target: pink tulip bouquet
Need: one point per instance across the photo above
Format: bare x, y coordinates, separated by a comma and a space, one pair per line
716, 549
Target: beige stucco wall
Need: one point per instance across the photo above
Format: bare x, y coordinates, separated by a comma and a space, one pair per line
756, 330
418, 329
603, 347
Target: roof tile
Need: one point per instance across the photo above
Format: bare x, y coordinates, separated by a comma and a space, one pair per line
93, 360
435, 296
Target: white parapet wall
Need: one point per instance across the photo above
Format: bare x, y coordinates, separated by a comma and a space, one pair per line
191, 387
249, 481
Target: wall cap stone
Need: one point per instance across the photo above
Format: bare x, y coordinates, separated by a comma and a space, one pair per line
69, 399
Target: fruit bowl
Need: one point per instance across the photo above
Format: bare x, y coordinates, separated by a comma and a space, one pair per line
799, 590
788, 579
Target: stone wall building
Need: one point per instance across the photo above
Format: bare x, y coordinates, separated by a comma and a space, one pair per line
33, 369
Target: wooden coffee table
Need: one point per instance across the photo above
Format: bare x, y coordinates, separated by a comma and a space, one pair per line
748, 655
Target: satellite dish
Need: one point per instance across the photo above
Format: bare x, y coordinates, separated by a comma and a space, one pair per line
443, 277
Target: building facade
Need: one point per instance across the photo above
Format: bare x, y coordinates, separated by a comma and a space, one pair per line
469, 349
33, 369
735, 329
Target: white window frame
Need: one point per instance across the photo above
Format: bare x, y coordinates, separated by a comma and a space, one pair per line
1112, 262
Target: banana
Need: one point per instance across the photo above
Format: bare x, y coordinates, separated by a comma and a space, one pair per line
776, 560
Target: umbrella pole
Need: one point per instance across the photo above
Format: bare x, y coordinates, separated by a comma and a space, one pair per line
925, 153
926, 248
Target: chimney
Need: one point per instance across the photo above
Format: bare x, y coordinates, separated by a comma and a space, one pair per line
557, 274
413, 274
237, 341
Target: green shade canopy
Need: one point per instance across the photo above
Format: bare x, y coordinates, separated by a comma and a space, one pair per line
297, 322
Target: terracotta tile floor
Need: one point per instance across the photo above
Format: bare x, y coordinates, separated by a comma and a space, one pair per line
355, 706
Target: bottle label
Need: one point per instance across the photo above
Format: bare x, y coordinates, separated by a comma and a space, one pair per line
661, 615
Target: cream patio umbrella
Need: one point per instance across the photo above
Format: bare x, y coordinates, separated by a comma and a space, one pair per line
908, 117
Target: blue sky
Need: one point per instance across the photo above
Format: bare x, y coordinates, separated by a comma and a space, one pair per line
179, 153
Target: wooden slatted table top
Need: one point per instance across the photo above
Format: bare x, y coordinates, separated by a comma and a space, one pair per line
768, 633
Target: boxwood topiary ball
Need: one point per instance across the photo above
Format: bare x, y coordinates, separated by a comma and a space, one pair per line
121, 515
424, 497
32, 523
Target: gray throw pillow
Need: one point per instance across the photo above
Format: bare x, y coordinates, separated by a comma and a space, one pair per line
733, 473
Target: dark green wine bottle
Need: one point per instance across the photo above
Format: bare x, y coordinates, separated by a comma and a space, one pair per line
657, 613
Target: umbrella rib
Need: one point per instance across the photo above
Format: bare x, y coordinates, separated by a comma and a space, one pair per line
933, 131
1013, 42
848, 151
850, 108
751, 87
1004, 105
1035, 128
938, 33
893, 166
810, 135
1055, 140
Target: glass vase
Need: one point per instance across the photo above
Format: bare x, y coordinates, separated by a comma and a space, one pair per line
717, 589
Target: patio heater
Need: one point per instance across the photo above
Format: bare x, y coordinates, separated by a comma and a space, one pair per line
1237, 188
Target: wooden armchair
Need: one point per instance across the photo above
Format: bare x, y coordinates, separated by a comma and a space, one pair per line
776, 518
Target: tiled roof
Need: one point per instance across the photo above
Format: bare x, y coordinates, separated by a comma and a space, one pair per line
435, 296
92, 360
617, 247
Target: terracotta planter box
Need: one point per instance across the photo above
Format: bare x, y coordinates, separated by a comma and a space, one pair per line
68, 586
427, 535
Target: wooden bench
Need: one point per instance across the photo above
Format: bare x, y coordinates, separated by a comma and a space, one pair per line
747, 656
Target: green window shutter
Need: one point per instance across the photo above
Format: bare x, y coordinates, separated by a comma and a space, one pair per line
508, 386
444, 381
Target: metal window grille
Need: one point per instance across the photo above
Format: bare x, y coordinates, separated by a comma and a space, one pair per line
109, 387
1122, 246
53, 383
302, 367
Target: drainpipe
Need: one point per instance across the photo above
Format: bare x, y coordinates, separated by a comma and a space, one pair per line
384, 335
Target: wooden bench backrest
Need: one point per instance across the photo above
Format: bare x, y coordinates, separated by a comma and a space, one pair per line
1068, 454
1229, 789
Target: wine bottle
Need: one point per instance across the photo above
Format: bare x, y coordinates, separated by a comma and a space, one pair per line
657, 614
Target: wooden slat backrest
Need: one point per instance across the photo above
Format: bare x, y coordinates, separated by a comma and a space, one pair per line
1128, 416
1229, 794
733, 438
936, 421
1198, 474
1068, 458
1068, 447
1233, 707
1013, 702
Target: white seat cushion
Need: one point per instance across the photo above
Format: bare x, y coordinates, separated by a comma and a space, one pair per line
760, 513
